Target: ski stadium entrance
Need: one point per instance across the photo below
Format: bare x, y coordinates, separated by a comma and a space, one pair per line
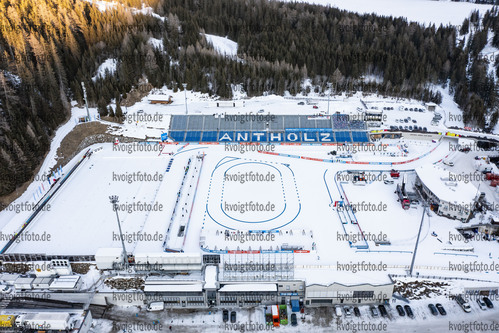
336, 128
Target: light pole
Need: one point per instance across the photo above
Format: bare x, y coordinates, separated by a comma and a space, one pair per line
328, 96
114, 201
185, 94
417, 241
86, 103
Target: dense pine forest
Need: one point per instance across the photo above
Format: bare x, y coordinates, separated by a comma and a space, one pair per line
48, 47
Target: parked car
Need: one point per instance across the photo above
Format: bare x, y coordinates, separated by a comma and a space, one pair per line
233, 317
301, 103
225, 315
388, 181
400, 310
382, 310
463, 304
433, 309
409, 312
374, 311
441, 309
315, 107
414, 121
356, 311
406, 121
448, 163
425, 129
481, 304
4, 289
348, 312
488, 302
294, 321
338, 312
156, 306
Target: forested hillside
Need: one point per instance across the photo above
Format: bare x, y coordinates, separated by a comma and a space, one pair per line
48, 47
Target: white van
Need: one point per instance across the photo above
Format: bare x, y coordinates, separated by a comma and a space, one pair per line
338, 311
156, 306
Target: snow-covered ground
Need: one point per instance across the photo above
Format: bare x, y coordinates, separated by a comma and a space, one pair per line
81, 220
108, 67
308, 193
222, 45
198, 103
323, 320
103, 5
423, 11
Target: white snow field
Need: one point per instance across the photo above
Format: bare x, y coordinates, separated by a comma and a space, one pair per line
81, 219
422, 11
222, 45
108, 67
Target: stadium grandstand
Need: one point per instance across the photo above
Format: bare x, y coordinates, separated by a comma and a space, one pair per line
265, 128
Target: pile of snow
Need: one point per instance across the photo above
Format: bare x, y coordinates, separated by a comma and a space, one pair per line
103, 5
148, 11
108, 67
222, 45
156, 43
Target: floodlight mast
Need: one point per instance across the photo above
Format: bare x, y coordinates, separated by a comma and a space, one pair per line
185, 95
86, 102
417, 241
328, 96
114, 200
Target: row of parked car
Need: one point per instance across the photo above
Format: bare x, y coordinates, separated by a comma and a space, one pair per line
375, 311
484, 303
387, 108
225, 316
406, 310
436, 309
412, 109
401, 108
409, 128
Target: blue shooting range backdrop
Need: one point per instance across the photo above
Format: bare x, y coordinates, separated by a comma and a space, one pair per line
265, 128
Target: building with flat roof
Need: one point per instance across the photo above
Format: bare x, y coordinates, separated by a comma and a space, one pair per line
431, 106
318, 295
446, 193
